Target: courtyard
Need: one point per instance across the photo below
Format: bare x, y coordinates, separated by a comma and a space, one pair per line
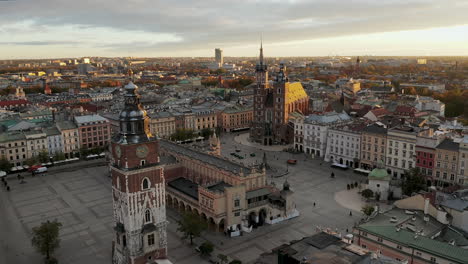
80, 198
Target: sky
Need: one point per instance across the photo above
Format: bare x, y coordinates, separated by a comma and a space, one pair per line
192, 28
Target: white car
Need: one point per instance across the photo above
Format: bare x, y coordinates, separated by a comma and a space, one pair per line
40, 170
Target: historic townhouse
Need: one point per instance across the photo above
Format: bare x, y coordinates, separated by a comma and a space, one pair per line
236, 118
13, 147
94, 131
401, 147
446, 163
463, 162
344, 145
162, 124
311, 132
70, 138
426, 142
373, 146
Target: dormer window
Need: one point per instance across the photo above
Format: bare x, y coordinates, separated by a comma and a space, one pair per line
145, 184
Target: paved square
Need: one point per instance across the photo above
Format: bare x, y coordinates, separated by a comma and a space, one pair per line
80, 198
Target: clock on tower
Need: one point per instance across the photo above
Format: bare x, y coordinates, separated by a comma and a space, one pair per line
137, 188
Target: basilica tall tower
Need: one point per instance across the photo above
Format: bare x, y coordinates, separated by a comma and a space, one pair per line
137, 188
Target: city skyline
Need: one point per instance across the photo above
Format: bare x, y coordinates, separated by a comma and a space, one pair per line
30, 29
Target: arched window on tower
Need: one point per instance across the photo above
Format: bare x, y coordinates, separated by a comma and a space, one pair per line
148, 216
145, 184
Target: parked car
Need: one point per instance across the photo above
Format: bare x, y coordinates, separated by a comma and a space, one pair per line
292, 161
40, 170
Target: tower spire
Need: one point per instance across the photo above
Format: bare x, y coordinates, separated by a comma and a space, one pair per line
261, 49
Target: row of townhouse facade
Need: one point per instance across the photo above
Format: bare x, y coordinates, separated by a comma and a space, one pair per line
66, 137
442, 160
165, 123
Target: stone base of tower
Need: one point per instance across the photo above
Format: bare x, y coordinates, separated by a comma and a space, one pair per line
158, 256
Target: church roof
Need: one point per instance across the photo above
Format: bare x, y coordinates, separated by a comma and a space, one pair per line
205, 158
295, 92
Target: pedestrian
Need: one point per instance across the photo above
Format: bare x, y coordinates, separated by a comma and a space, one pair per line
350, 213
314, 204
8, 188
19, 177
346, 230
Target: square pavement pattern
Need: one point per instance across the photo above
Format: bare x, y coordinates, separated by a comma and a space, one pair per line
78, 198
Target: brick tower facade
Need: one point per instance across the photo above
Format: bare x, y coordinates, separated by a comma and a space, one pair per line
138, 188
272, 105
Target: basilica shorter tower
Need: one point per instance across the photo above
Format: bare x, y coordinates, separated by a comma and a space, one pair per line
138, 188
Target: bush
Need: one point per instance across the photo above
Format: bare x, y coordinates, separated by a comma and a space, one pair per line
367, 193
206, 248
367, 209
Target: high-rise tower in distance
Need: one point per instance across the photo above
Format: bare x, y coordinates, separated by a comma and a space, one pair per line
219, 56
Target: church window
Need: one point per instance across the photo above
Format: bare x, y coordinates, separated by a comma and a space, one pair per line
147, 216
145, 184
150, 239
124, 241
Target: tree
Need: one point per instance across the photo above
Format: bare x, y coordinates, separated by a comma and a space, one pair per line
367, 193
206, 132
31, 161
206, 248
5, 165
46, 239
223, 259
43, 156
236, 261
414, 182
59, 156
191, 226
367, 209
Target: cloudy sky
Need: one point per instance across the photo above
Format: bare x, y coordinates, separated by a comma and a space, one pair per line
74, 28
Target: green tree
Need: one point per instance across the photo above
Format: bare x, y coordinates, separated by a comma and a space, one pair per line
31, 161
367, 209
59, 156
206, 132
206, 248
414, 182
191, 226
236, 261
43, 156
223, 259
46, 239
367, 193
5, 165
182, 134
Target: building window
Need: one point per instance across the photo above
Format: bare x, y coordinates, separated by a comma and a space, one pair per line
142, 162
147, 216
237, 214
399, 247
236, 203
433, 259
379, 239
145, 184
117, 238
151, 240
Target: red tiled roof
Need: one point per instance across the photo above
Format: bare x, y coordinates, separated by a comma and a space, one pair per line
13, 102
380, 112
